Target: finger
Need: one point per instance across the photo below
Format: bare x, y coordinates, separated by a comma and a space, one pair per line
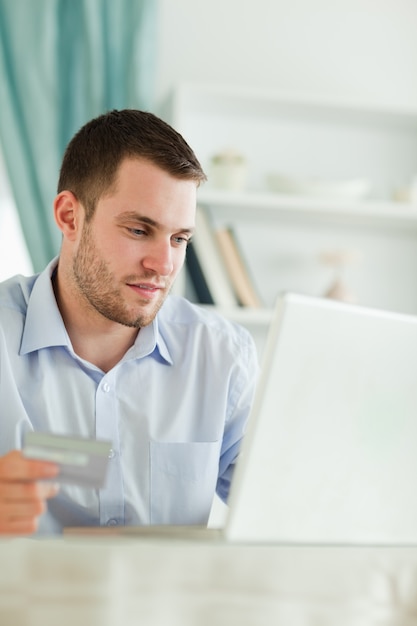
15, 467
27, 491
12, 510
48, 490
21, 505
19, 527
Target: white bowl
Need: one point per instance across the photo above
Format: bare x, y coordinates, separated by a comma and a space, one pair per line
353, 189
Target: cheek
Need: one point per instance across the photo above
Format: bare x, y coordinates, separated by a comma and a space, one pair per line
178, 259
118, 248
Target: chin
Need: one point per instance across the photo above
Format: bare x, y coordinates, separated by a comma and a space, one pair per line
144, 318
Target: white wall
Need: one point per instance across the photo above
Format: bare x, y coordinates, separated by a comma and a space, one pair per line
362, 50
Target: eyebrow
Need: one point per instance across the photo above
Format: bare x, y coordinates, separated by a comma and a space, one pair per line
144, 219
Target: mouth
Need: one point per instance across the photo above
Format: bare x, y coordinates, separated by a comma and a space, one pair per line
146, 290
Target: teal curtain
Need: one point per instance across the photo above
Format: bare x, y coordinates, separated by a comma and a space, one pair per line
63, 62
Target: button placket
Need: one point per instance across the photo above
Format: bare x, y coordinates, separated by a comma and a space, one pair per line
111, 495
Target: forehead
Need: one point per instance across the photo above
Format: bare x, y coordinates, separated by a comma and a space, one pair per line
140, 168
145, 189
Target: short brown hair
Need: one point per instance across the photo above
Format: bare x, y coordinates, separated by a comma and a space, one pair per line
94, 154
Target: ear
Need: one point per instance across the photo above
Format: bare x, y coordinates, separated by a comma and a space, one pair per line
67, 212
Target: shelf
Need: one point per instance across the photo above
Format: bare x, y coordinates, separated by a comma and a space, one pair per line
256, 205
300, 136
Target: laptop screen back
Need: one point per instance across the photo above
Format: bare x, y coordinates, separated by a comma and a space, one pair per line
330, 455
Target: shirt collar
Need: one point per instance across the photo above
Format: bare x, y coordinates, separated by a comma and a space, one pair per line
150, 341
45, 328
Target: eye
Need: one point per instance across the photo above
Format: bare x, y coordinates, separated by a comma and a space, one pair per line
137, 232
181, 241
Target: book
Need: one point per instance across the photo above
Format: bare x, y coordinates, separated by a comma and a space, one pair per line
206, 266
236, 268
196, 274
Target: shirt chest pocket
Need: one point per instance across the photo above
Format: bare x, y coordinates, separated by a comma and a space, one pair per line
183, 479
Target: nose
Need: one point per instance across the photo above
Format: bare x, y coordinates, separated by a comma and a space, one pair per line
159, 258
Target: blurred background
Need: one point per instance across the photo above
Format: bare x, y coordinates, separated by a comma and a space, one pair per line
63, 62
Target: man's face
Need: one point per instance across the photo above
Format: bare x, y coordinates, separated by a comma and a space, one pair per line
134, 246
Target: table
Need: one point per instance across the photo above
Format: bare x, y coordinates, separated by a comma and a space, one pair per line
127, 581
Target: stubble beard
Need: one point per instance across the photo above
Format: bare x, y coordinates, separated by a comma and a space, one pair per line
97, 285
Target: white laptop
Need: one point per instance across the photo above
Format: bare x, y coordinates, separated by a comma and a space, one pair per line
330, 454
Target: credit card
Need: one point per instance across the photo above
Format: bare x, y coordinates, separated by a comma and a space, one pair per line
81, 461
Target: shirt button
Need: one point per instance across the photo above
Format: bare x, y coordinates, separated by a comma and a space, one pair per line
112, 454
112, 522
106, 387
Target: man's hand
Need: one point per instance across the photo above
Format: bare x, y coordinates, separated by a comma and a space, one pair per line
23, 495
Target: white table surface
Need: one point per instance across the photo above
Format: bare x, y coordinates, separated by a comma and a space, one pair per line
129, 581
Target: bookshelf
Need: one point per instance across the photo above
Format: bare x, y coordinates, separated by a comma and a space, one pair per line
284, 237
269, 207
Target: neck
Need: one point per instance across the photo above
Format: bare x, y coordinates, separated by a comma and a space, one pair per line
94, 338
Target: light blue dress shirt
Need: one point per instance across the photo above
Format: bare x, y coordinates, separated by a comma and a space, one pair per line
174, 408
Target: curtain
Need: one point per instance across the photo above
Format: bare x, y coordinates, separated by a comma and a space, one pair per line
63, 62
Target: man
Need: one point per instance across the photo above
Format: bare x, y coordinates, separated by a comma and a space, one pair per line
94, 347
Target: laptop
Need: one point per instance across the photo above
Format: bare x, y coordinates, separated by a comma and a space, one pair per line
330, 453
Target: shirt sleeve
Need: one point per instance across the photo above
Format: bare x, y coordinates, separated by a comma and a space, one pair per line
243, 383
